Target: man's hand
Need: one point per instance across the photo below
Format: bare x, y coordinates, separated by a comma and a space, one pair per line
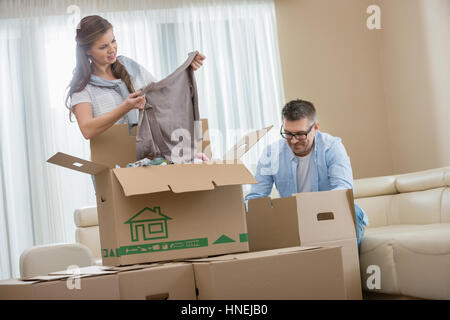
198, 61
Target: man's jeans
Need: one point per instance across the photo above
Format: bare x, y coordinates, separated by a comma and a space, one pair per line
361, 221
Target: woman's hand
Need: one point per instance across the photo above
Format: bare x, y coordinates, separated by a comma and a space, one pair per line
198, 61
136, 100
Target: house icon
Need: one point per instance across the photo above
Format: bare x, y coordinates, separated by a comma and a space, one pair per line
148, 224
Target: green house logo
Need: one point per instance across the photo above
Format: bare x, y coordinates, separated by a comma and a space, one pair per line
148, 224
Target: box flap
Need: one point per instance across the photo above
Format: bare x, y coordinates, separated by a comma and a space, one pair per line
255, 254
230, 174
90, 270
245, 143
272, 224
17, 282
45, 278
181, 177
114, 146
77, 164
325, 216
134, 267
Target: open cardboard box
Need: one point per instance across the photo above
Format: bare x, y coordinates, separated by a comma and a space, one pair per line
156, 281
282, 274
162, 213
325, 218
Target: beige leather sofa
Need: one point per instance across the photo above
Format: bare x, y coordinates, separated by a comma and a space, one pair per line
409, 234
87, 231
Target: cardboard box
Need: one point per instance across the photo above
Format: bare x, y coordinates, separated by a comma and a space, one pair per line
102, 286
308, 219
287, 274
162, 213
169, 281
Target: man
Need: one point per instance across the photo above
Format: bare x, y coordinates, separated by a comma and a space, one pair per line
305, 160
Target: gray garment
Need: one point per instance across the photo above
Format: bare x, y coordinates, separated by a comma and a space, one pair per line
171, 112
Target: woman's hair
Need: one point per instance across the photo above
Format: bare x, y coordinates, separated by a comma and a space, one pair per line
89, 30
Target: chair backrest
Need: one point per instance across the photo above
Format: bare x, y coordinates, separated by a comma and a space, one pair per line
44, 259
87, 231
415, 198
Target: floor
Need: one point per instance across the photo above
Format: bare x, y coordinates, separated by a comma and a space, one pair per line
383, 296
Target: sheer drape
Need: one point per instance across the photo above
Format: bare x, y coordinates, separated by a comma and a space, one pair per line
239, 87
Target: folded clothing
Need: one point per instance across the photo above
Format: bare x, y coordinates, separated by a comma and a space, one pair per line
199, 158
147, 163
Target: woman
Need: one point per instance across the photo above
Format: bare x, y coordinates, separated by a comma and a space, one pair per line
102, 90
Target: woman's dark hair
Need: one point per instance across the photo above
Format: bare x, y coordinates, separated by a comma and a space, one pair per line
89, 30
299, 109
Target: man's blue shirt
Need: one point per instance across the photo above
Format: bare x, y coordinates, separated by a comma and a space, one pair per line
330, 170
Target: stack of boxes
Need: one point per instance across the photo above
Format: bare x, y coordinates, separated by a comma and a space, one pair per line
180, 232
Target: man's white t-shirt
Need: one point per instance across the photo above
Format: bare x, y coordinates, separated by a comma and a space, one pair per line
303, 173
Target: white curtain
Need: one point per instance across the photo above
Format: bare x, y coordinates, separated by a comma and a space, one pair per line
239, 86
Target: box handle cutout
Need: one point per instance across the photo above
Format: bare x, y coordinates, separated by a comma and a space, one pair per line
325, 216
159, 296
77, 164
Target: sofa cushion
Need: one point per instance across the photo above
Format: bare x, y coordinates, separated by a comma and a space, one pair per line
381, 256
447, 178
422, 263
86, 217
90, 237
420, 181
422, 207
431, 239
376, 208
414, 259
369, 187
375, 237
376, 249
445, 205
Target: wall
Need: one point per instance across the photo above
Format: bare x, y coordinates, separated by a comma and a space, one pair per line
331, 58
415, 46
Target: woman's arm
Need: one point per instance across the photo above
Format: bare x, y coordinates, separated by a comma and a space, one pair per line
91, 127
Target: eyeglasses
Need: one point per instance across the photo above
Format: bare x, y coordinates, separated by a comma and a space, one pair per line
300, 136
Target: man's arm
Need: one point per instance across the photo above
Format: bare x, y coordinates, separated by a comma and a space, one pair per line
340, 173
341, 177
264, 177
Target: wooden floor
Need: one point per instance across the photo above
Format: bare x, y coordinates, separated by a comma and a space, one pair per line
383, 296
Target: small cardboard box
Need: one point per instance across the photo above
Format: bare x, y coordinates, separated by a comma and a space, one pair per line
287, 274
168, 281
324, 218
162, 213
